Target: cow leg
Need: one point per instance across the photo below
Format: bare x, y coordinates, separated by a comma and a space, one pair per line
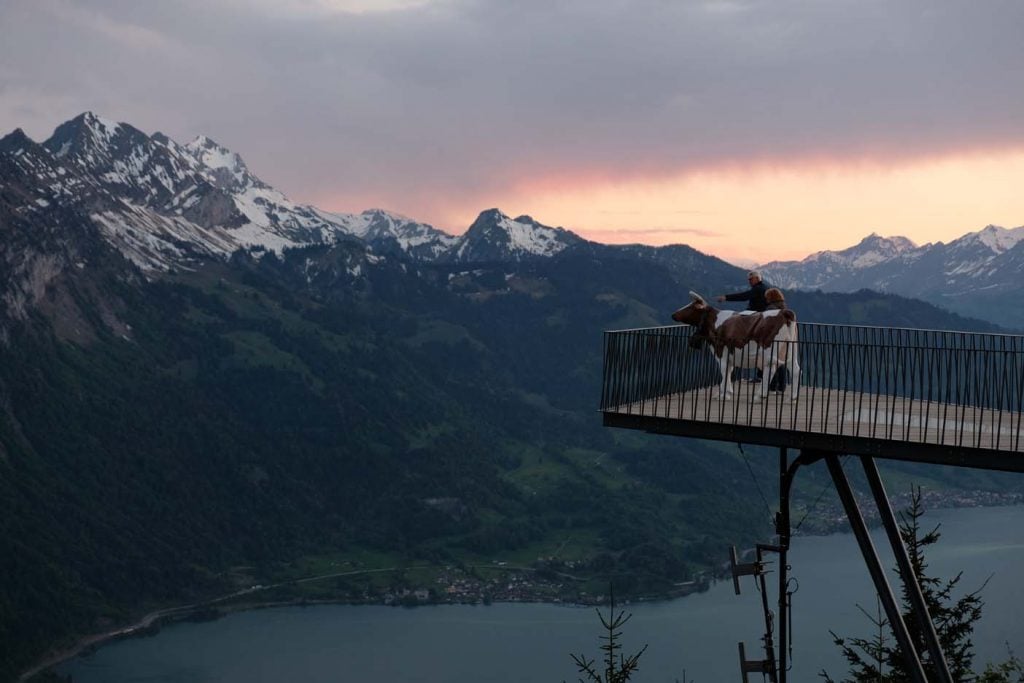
793, 389
725, 388
769, 364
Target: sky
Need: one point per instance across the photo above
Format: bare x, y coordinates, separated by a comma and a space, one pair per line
752, 130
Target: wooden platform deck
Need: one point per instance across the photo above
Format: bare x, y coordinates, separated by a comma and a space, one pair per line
840, 421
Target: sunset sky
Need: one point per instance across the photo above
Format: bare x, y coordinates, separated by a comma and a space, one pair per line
750, 130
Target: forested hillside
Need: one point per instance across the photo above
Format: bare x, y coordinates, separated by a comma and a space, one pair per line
181, 417
267, 408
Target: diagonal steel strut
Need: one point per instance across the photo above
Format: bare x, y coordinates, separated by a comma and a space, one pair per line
867, 549
910, 582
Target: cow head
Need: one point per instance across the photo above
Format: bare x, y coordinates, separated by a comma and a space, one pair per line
691, 312
698, 314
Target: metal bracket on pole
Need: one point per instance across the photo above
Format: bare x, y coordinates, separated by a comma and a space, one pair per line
755, 568
755, 666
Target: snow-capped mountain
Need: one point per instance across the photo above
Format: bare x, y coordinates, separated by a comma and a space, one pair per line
162, 203
977, 274
389, 232
496, 237
833, 269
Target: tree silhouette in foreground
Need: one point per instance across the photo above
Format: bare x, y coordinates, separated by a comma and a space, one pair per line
618, 668
879, 659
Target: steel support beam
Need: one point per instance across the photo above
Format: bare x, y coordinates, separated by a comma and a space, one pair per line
782, 529
910, 582
867, 549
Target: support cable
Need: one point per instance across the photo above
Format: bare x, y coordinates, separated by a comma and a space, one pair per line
821, 494
767, 507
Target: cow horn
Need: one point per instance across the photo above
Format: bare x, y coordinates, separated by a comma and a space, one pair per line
696, 297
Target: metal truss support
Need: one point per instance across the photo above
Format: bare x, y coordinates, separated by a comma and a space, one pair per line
867, 549
777, 669
910, 582
782, 528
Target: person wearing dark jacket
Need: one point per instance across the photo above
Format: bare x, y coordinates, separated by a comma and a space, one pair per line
753, 296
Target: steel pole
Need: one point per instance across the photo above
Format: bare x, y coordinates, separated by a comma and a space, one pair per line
782, 529
910, 582
867, 549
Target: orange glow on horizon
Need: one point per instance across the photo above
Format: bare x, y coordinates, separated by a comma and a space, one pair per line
768, 212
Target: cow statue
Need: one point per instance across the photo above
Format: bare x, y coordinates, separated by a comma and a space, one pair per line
745, 340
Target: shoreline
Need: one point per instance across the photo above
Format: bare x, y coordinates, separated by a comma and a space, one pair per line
218, 607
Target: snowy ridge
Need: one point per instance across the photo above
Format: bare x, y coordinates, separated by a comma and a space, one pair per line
996, 238
388, 231
824, 267
532, 238
223, 167
494, 236
162, 203
975, 274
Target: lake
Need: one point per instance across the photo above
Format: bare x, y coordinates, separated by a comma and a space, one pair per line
505, 643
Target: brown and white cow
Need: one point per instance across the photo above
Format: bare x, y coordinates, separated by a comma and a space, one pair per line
745, 340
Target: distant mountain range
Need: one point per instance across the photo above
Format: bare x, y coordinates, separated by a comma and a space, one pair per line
162, 204
977, 275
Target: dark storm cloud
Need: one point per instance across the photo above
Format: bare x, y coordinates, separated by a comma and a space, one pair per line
442, 99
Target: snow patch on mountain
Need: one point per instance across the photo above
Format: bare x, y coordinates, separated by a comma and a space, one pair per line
155, 242
222, 167
495, 236
532, 238
996, 238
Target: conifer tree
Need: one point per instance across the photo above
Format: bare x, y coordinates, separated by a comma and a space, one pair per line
879, 659
618, 668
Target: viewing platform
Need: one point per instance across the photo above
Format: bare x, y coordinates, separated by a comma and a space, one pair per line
951, 398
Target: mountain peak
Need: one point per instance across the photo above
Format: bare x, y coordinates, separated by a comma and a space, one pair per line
227, 167
896, 243
91, 138
384, 213
84, 133
495, 236
15, 141
993, 237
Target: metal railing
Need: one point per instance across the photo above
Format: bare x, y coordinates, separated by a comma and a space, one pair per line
925, 386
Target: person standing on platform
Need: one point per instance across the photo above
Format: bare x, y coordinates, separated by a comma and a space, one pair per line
753, 296
777, 301
755, 302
